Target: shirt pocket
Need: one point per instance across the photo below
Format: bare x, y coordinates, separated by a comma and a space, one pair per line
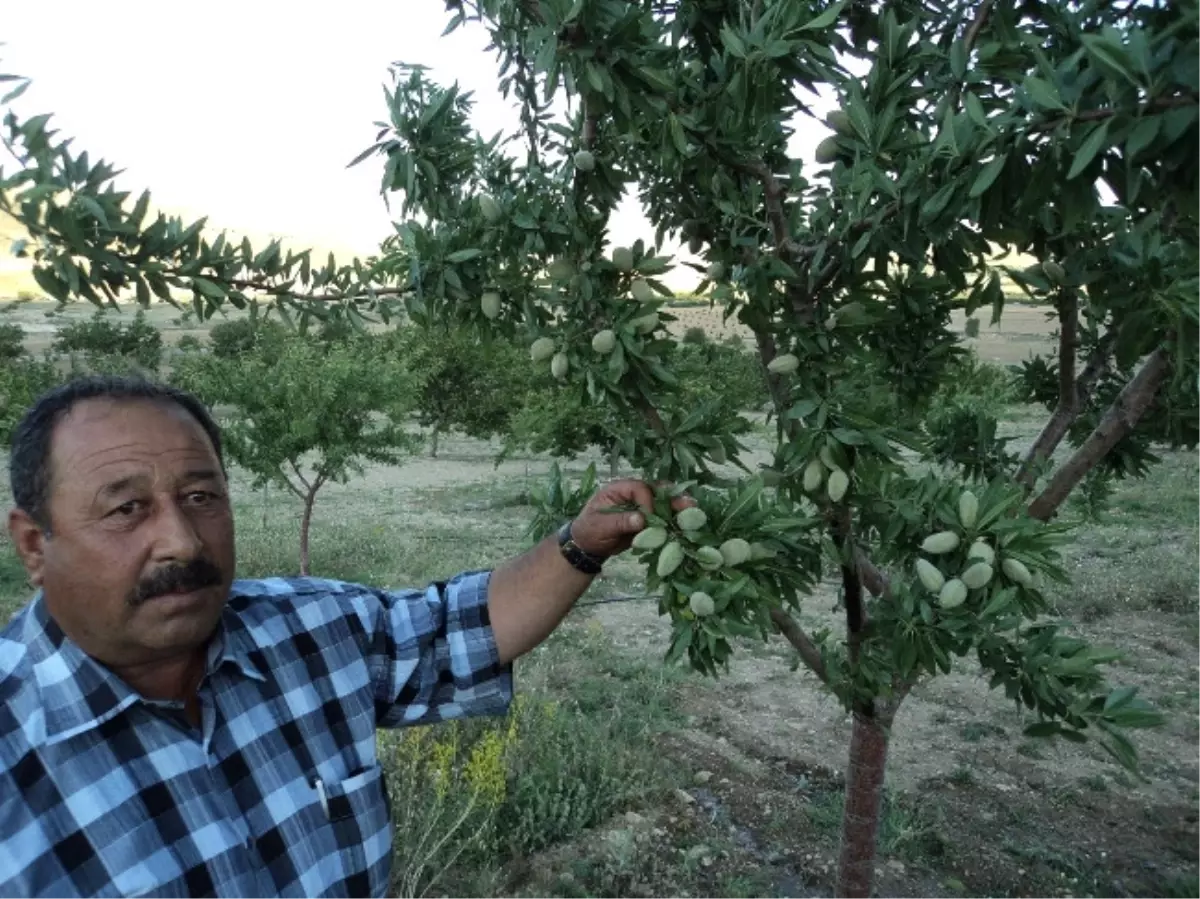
359, 812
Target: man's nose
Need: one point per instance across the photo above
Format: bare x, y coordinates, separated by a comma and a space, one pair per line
175, 536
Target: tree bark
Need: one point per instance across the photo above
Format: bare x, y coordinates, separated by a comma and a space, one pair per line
305, 523
864, 796
1120, 419
1068, 406
614, 460
801, 642
433, 442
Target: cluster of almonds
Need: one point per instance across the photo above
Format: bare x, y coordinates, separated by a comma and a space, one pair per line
981, 557
604, 341
671, 554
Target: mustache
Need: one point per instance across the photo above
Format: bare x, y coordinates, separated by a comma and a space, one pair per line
195, 575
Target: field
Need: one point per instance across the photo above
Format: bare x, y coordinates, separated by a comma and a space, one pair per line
646, 781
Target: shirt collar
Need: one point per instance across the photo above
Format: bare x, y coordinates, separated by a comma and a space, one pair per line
78, 693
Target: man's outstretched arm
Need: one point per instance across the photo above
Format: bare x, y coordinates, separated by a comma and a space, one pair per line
530, 595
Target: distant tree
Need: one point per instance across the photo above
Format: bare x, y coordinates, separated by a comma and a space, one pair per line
311, 415
241, 336
106, 342
12, 342
22, 380
462, 383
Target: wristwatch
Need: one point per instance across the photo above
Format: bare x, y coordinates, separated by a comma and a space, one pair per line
580, 560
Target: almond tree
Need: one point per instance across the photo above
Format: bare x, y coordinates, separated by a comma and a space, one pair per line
1065, 131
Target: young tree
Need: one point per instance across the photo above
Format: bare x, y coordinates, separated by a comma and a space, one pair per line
1065, 131
461, 383
309, 415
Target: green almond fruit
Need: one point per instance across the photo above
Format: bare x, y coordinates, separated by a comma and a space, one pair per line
490, 209
828, 151
968, 509
941, 542
1055, 272
1017, 572
542, 349
710, 558
604, 342
585, 161
490, 304
560, 365
931, 579
641, 290
814, 474
980, 549
953, 594
701, 604
839, 121
622, 258
760, 553
560, 270
977, 575
650, 538
716, 271
691, 519
839, 481
669, 559
735, 551
784, 364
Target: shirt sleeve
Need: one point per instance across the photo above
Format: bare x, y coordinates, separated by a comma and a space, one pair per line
433, 655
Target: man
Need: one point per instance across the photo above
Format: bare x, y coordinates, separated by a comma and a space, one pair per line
168, 730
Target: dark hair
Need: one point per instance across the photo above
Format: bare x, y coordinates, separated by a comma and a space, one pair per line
29, 459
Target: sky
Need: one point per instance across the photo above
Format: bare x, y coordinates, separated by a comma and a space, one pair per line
250, 111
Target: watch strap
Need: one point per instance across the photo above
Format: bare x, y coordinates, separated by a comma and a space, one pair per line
579, 559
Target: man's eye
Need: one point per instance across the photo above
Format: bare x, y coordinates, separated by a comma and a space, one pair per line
126, 509
201, 497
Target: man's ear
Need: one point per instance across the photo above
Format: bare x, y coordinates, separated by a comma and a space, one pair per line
29, 540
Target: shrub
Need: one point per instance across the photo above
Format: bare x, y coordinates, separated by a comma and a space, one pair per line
101, 336
12, 342
237, 337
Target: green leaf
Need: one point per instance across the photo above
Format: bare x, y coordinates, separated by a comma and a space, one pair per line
1043, 93
1119, 697
1087, 152
975, 109
93, 207
733, 43
208, 288
1110, 56
15, 92
987, 176
826, 18
463, 255
1142, 136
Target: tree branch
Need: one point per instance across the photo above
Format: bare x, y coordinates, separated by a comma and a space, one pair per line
981, 17
803, 645
1068, 406
300, 475
1120, 419
1159, 104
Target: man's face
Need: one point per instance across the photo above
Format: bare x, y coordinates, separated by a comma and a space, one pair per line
140, 557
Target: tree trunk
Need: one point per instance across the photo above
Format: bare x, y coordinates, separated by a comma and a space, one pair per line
864, 795
433, 442
305, 523
614, 461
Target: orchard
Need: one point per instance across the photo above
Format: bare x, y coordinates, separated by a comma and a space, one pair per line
1062, 131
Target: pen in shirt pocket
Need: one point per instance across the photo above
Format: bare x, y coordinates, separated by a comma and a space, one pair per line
319, 786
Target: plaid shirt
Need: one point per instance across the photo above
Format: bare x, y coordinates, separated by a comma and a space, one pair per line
279, 793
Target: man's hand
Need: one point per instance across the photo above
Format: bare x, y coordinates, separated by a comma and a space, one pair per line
601, 531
